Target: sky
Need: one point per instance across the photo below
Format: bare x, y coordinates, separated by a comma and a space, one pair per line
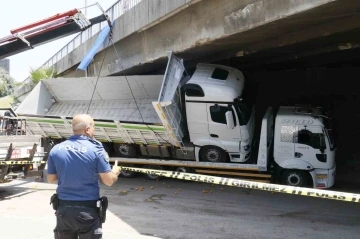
23, 12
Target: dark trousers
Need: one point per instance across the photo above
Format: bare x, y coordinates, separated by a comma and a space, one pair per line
77, 222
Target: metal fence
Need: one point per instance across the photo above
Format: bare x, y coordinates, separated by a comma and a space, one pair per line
115, 11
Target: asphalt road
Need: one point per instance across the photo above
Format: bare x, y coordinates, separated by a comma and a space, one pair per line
172, 209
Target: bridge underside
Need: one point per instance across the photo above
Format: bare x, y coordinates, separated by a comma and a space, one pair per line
245, 34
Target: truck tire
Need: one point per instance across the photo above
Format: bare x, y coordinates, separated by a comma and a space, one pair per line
296, 178
153, 176
184, 170
125, 150
213, 154
107, 148
44, 174
128, 174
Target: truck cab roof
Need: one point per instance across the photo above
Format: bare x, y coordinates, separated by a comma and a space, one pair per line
299, 115
215, 83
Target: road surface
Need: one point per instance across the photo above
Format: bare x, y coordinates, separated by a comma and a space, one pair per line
172, 209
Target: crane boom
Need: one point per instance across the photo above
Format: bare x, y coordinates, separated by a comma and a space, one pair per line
46, 30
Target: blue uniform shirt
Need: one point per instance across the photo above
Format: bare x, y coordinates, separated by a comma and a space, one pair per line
77, 162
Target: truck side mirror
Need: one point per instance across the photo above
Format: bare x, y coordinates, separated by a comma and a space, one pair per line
229, 119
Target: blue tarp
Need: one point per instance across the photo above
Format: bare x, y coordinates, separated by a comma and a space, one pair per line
91, 53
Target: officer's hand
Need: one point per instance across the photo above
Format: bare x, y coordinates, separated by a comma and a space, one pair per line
116, 168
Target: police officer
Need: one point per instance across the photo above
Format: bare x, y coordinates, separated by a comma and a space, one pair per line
76, 165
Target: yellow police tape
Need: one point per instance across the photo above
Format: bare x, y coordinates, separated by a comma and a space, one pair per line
311, 192
18, 162
318, 193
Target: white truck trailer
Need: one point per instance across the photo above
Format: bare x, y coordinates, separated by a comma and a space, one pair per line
204, 124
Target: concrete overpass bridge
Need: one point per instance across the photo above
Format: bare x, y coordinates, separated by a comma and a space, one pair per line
240, 33
298, 50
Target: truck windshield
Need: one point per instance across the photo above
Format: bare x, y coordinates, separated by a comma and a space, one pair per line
245, 105
329, 133
330, 136
244, 111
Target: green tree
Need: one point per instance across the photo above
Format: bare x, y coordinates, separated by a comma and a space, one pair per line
7, 83
42, 73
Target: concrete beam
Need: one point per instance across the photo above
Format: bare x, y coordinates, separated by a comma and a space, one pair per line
211, 30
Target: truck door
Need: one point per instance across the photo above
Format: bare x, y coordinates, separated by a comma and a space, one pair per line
218, 129
310, 145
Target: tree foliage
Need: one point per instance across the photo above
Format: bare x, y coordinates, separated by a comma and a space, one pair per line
7, 83
42, 73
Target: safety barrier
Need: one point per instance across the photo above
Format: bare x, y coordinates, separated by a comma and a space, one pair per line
310, 192
302, 191
18, 162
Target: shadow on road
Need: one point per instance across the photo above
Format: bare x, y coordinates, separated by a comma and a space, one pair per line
171, 208
19, 188
177, 209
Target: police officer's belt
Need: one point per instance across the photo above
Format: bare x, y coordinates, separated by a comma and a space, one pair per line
91, 203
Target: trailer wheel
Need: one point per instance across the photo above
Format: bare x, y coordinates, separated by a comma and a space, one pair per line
125, 150
213, 154
106, 148
128, 174
44, 174
296, 178
184, 170
153, 176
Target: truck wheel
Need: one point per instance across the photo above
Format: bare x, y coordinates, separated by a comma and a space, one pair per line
213, 154
125, 150
184, 170
106, 148
44, 174
296, 178
153, 176
128, 174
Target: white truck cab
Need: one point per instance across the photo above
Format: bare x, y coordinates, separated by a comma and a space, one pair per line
217, 118
221, 121
303, 145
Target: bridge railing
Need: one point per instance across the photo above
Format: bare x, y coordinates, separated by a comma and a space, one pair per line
115, 11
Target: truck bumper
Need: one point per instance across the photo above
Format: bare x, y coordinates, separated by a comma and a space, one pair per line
240, 157
324, 178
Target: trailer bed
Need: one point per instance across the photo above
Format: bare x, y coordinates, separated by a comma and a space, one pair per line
112, 99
